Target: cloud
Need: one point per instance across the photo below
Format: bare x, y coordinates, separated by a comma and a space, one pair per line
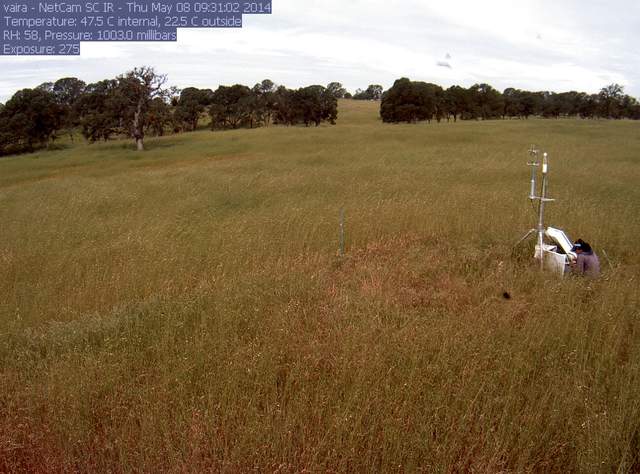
360, 42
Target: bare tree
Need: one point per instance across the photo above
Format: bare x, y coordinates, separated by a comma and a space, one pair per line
141, 87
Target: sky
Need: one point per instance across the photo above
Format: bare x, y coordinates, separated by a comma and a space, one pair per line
556, 45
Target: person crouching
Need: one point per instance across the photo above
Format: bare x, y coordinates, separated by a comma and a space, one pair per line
587, 263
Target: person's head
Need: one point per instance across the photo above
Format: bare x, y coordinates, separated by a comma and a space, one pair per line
580, 246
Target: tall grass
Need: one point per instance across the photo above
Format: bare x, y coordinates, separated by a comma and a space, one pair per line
185, 309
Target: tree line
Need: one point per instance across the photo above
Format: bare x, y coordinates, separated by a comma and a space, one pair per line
412, 101
139, 103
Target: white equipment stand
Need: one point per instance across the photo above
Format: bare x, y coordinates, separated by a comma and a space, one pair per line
554, 257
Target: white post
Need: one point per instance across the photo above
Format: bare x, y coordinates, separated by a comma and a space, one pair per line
543, 198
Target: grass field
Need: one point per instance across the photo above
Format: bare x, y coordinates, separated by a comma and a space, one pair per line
185, 309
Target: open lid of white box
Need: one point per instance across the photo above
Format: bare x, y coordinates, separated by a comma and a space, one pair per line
560, 238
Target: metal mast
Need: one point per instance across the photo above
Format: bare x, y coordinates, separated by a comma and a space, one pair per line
541, 198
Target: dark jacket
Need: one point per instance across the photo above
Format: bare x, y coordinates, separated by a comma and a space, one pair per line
587, 264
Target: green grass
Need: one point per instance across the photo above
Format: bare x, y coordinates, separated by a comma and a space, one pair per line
184, 309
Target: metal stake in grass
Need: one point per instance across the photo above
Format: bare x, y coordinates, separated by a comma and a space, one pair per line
342, 231
604, 252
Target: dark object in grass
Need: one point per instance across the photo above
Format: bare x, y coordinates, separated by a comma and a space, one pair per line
506, 295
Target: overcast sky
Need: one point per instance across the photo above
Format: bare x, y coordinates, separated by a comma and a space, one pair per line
536, 45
